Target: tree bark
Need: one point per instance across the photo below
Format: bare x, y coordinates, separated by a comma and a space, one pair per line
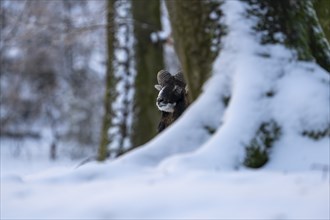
298, 22
196, 34
110, 91
322, 8
297, 25
149, 60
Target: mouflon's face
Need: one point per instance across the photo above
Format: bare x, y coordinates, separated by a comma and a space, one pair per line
171, 90
168, 97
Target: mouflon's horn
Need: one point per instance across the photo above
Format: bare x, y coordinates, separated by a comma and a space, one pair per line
179, 76
163, 76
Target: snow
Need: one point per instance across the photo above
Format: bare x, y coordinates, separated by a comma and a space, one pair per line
189, 172
108, 191
153, 195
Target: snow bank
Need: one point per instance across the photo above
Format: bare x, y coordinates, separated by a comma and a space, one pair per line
155, 195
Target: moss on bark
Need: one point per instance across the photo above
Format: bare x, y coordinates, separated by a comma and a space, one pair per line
257, 151
297, 24
322, 8
317, 134
294, 24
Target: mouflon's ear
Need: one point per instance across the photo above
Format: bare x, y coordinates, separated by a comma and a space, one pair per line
177, 89
158, 87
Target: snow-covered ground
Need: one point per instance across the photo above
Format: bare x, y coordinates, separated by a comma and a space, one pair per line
189, 173
128, 192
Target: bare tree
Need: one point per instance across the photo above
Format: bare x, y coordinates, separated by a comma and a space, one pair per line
110, 91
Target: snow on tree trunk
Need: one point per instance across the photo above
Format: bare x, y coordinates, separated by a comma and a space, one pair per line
134, 64
295, 24
124, 72
118, 100
266, 102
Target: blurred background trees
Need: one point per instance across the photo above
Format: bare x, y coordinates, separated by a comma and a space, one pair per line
80, 74
52, 71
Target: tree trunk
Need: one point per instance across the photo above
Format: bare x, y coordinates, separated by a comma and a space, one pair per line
196, 34
149, 60
110, 91
322, 8
298, 22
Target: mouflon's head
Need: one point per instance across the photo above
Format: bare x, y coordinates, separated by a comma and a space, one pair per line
171, 90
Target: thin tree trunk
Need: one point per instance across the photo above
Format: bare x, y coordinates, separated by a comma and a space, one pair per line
110, 91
